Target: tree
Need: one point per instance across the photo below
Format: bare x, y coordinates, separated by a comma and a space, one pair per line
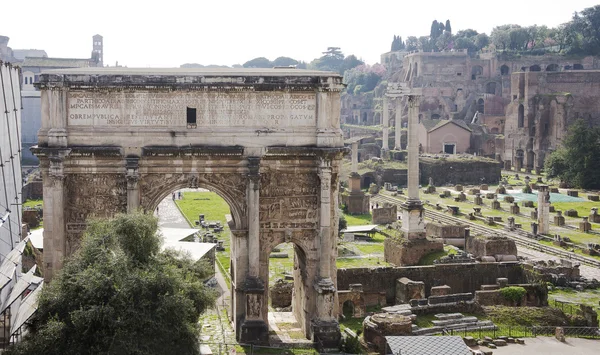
260, 62
481, 41
437, 29
587, 25
397, 44
350, 62
448, 27
578, 160
412, 43
284, 62
119, 295
331, 60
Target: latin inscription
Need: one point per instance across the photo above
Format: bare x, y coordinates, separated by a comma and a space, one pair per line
248, 109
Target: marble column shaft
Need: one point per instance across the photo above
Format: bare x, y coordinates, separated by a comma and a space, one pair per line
386, 123
325, 221
398, 132
253, 218
413, 148
354, 157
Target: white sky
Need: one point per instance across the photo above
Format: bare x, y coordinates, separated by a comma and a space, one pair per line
170, 33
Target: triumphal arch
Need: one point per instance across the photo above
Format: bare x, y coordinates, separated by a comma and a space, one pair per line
267, 140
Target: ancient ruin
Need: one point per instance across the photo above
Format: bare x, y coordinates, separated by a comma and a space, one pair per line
267, 141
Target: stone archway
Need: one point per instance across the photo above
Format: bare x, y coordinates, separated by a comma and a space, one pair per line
267, 141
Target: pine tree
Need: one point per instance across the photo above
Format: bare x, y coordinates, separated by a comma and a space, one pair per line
448, 27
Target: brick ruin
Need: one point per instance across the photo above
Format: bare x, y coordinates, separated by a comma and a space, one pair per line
518, 108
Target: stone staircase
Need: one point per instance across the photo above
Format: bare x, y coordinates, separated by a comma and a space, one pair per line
453, 321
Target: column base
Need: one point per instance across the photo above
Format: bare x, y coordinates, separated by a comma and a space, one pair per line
254, 332
413, 221
326, 335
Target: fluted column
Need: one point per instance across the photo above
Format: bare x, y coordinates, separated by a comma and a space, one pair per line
398, 135
55, 244
253, 216
386, 122
354, 157
133, 191
413, 148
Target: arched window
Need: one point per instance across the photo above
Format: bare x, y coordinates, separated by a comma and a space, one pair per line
521, 119
476, 71
577, 67
568, 67
480, 105
535, 68
504, 70
552, 67
435, 116
490, 88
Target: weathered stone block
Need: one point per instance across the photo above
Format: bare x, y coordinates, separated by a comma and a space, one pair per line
407, 290
474, 191
509, 199
483, 187
380, 325
554, 190
385, 215
514, 209
404, 252
593, 197
501, 190
573, 193
585, 226
527, 204
458, 187
441, 290
490, 195
571, 213
281, 294
481, 246
495, 205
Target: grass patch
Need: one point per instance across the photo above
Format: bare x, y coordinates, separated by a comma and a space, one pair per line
583, 208
32, 203
370, 248
526, 316
587, 297
355, 263
431, 257
358, 220
354, 324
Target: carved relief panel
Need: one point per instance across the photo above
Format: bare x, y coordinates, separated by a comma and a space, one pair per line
91, 195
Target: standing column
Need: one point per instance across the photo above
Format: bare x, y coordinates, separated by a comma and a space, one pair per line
354, 157
325, 220
253, 216
543, 209
413, 223
55, 244
133, 191
413, 148
386, 122
398, 135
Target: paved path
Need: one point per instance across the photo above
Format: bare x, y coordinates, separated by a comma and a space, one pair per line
551, 346
216, 331
169, 215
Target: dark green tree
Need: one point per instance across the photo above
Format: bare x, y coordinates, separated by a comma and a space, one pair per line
412, 43
577, 162
284, 62
350, 62
260, 62
434, 33
587, 25
118, 294
448, 28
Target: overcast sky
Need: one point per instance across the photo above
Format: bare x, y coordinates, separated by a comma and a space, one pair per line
170, 33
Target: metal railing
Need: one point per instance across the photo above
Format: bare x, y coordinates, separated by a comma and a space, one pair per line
524, 332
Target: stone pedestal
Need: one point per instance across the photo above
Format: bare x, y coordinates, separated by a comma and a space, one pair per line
573, 193
441, 290
559, 219
458, 188
495, 204
507, 165
594, 216
325, 331
585, 226
413, 222
478, 200
358, 201
515, 209
404, 252
254, 329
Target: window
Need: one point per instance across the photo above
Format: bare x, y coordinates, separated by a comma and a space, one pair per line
459, 74
577, 67
191, 117
481, 106
504, 70
449, 148
521, 119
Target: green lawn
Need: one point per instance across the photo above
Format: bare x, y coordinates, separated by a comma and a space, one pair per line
214, 208
583, 208
358, 220
587, 297
33, 203
429, 258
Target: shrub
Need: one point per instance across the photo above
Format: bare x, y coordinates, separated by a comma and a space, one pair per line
513, 293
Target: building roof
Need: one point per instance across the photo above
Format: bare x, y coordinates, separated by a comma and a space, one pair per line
193, 71
55, 62
361, 229
427, 345
432, 125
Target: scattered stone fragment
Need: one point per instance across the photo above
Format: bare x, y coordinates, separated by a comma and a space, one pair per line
500, 342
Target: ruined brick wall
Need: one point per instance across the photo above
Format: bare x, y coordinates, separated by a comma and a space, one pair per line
480, 246
385, 215
437, 230
472, 276
409, 252
459, 171
33, 190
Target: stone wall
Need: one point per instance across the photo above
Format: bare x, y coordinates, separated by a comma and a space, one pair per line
438, 230
472, 276
490, 246
385, 215
33, 190
409, 252
459, 171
